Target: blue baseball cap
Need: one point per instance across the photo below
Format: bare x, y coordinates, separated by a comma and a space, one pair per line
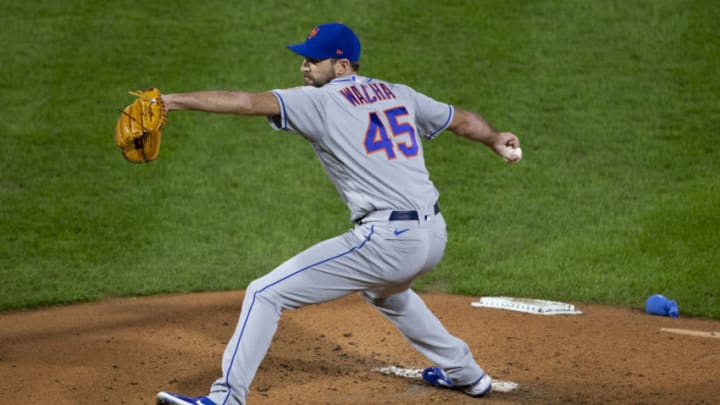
330, 40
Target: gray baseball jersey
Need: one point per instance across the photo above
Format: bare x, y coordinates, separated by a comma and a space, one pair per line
367, 134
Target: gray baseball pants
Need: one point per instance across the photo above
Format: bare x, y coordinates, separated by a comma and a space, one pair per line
379, 258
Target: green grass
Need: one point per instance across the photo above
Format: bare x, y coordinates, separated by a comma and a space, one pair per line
617, 105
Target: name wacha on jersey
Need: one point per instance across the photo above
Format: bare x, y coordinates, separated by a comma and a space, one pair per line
367, 93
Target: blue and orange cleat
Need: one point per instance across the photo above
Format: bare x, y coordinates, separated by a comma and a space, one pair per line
436, 377
168, 398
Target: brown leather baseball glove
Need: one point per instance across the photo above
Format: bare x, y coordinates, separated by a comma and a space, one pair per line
139, 129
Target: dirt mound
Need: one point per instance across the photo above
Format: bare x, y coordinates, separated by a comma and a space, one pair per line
124, 351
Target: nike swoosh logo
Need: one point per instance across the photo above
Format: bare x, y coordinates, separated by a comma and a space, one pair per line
401, 231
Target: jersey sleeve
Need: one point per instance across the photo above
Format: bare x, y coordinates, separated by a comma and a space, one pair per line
432, 117
301, 111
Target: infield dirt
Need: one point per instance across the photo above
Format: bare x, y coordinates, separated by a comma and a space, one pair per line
122, 351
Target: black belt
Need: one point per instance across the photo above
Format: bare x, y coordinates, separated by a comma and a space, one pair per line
410, 215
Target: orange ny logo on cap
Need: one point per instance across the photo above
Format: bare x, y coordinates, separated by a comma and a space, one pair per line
313, 32
338, 52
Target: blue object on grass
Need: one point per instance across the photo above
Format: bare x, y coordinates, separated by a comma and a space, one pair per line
658, 304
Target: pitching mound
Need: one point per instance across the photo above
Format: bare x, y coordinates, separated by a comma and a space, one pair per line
124, 351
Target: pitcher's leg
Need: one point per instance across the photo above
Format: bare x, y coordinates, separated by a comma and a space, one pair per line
316, 275
408, 312
256, 327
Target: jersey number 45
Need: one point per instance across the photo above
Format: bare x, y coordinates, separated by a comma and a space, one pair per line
378, 138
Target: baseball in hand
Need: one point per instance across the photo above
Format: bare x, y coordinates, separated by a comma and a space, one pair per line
511, 154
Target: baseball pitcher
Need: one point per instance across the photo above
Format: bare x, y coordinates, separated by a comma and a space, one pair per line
367, 133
